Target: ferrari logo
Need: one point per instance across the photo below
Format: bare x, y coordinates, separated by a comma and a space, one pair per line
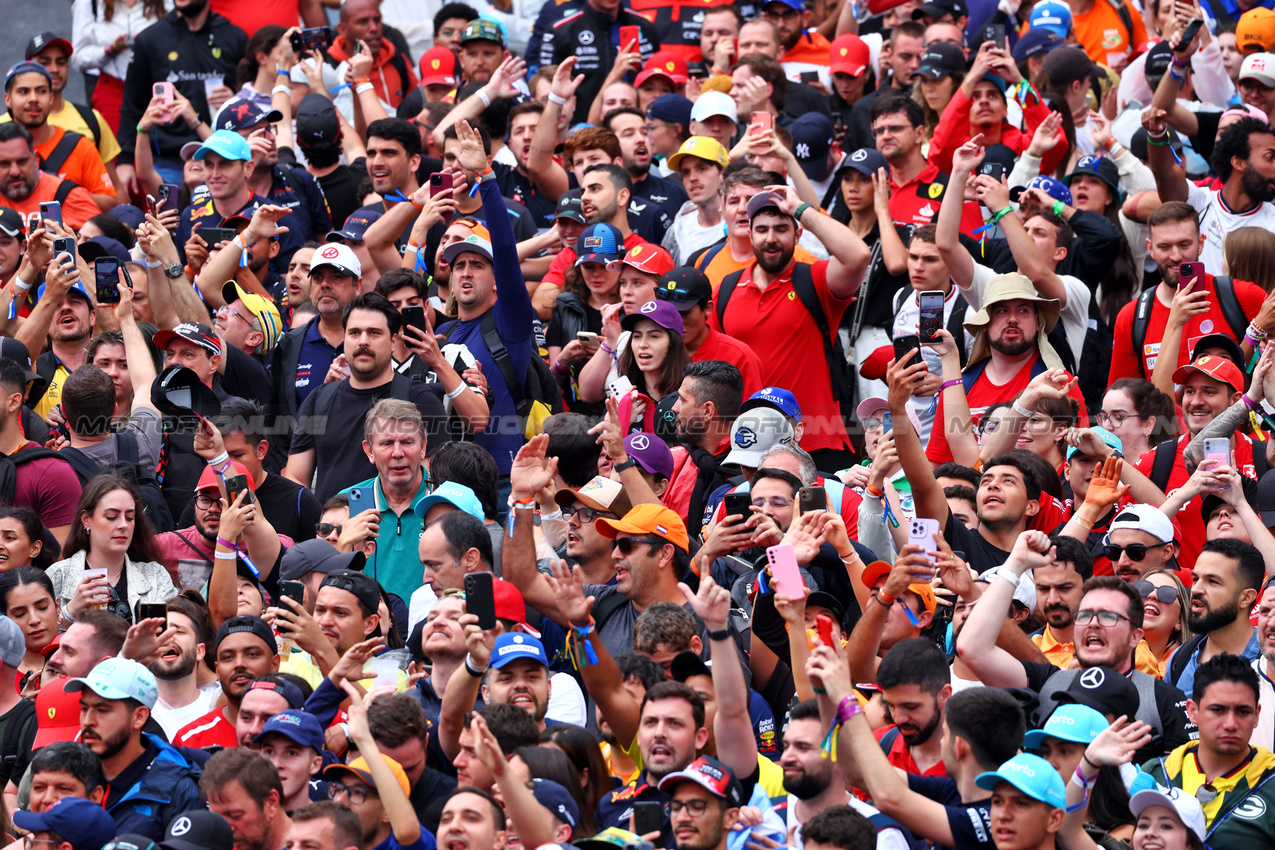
936, 189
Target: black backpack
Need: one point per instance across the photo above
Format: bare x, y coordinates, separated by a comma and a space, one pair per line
1182, 657
9, 469
1223, 286
128, 466
1095, 358
61, 153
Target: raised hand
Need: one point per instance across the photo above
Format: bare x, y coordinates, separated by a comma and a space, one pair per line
532, 469
1118, 743
567, 584
1032, 549
471, 156
1105, 489
711, 603
351, 667
1046, 137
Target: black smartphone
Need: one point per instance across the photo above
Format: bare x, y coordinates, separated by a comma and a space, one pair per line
152, 611
648, 816
479, 599
1189, 34
737, 504
51, 211
311, 38
809, 77
903, 345
931, 315
414, 316
168, 192
106, 272
994, 33
812, 499
213, 235
292, 590
64, 245
236, 484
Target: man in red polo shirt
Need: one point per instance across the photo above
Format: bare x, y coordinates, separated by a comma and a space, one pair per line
1175, 239
761, 308
690, 291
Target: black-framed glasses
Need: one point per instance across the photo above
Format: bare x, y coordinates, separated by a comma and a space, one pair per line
358, 794
1112, 419
205, 502
627, 545
324, 529
695, 807
1135, 551
1168, 594
1104, 618
587, 515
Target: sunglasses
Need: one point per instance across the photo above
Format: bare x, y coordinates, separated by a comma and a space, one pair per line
323, 529
1135, 551
628, 545
1167, 594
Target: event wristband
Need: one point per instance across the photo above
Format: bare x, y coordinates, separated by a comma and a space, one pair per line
800, 211
952, 383
219, 460
281, 72
363, 87
1058, 207
873, 491
848, 708
21, 286
454, 394
225, 556
553, 98
154, 265
281, 90
482, 95
472, 670
1020, 410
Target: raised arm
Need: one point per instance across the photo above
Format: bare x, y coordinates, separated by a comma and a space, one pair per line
462, 687
404, 825
1116, 745
926, 492
911, 566
960, 264
1170, 180
850, 256
530, 473
550, 177
499, 86
1185, 306
137, 354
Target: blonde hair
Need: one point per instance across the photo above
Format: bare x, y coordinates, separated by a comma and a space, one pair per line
392, 410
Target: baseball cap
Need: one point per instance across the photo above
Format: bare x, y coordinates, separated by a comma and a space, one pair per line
119, 678
1187, 807
130, 841
1157, 61
874, 571
57, 713
13, 645
1068, 64
1103, 689
1259, 67
1254, 31
1140, 517
130, 214
45, 39
1107, 437
710, 774
599, 493
1138, 143
359, 768
663, 313
208, 479
188, 150
450, 493
298, 726
238, 114
1266, 498
12, 349
812, 137
599, 243
824, 599
756, 432
198, 829
26, 68
510, 605
438, 67
316, 555
848, 54
512, 646
316, 121
687, 664
673, 108
702, 147
11, 223
340, 257
557, 799
650, 452
1051, 187
570, 206
247, 623
1101, 167
865, 161
764, 200
1217, 368
1212, 501
712, 103
611, 837
778, 398
363, 586
261, 308
663, 63
478, 243
649, 259
1030, 774
195, 332
941, 60
355, 226
685, 287
178, 391
648, 519
1035, 42
83, 823
483, 29
290, 692
227, 144
1203, 344
1069, 722
1024, 585
103, 247
1052, 16
939, 8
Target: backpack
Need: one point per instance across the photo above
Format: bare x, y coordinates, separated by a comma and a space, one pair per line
803, 284
14, 733
90, 121
1166, 453
1181, 658
1095, 355
61, 153
1223, 286
129, 467
325, 394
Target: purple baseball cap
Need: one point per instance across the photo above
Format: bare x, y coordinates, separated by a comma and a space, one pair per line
650, 452
663, 313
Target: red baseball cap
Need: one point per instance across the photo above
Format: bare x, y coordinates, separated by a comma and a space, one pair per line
510, 604
438, 67
1217, 368
649, 259
664, 63
57, 713
208, 478
848, 55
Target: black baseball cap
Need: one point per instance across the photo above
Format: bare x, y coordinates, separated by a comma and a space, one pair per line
243, 114
364, 587
1035, 42
176, 380
685, 287
687, 664
43, 40
12, 349
1103, 689
1068, 64
317, 123
571, 206
11, 223
865, 161
246, 623
940, 60
1222, 341
198, 829
316, 556
939, 8
998, 161
1157, 62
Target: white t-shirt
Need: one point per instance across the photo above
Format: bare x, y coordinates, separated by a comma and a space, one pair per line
173, 719
887, 839
1264, 734
1074, 315
1216, 220
687, 235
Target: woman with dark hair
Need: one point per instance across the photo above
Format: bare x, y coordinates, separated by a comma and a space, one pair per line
656, 356
257, 71
1044, 432
110, 559
590, 286
24, 541
1139, 414
553, 763
582, 748
27, 598
1165, 624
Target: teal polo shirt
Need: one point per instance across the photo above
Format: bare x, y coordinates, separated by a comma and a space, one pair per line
396, 564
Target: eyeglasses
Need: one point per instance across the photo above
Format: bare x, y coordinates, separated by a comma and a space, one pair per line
325, 529
1116, 419
779, 503
205, 502
627, 545
587, 515
695, 807
1135, 551
1168, 594
358, 794
1104, 618
226, 311
892, 129
872, 422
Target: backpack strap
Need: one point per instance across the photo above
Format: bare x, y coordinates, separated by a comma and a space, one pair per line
607, 608
1181, 658
1141, 321
13, 734
1224, 286
80, 462
1126, 19
1148, 704
90, 121
65, 188
723, 295
803, 283
1162, 467
400, 66
887, 740
707, 256
126, 448
61, 152
500, 355
192, 546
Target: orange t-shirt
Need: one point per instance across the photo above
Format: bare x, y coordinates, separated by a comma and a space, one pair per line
723, 264
84, 166
1104, 36
78, 207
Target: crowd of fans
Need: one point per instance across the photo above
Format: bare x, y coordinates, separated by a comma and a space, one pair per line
700, 425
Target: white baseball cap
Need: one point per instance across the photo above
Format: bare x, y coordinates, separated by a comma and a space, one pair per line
1260, 67
1146, 518
712, 103
1185, 805
338, 256
755, 432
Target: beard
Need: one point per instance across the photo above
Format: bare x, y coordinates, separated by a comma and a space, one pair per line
20, 191
809, 785
920, 736
1014, 349
193, 9
1213, 619
205, 531
112, 744
70, 335
603, 214
707, 838
1256, 186
775, 266
172, 671
1058, 616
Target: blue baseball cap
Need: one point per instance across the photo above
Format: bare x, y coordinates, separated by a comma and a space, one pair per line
1035, 42
83, 823
77, 287
1069, 722
557, 799
355, 226
26, 68
1053, 188
1107, 437
1051, 16
295, 725
450, 493
227, 144
514, 645
1030, 774
995, 80
776, 397
673, 108
600, 243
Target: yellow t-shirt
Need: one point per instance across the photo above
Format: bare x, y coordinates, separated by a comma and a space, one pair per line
1192, 778
53, 395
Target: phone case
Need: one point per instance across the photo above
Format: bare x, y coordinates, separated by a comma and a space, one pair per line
921, 531
784, 574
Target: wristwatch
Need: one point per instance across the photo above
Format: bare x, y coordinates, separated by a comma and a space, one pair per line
174, 271
620, 467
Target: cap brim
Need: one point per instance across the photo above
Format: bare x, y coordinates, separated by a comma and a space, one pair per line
328, 263
344, 769
931, 73
179, 844
107, 692
682, 776
30, 821
851, 69
571, 215
744, 457
497, 663
600, 259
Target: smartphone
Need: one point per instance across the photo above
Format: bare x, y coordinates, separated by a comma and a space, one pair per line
1188, 272
823, 625
64, 245
1218, 451
921, 531
931, 315
106, 272
620, 387
179, 398
236, 484
292, 590
631, 35
762, 120
1189, 34
903, 345
212, 236
587, 337
812, 499
51, 211
168, 194
152, 611
994, 33
358, 47
415, 317
163, 91
737, 504
887, 422
440, 182
361, 499
809, 77
479, 599
311, 38
784, 575
648, 815
150, 205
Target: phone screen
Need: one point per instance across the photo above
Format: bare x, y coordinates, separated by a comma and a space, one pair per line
106, 272
931, 316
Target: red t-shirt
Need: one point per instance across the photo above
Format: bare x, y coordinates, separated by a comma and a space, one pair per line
901, 757
49, 487
982, 396
917, 202
1188, 518
211, 730
775, 321
719, 346
567, 258
252, 16
1126, 363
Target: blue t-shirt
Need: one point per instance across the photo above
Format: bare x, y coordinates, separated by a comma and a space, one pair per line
971, 823
316, 358
425, 842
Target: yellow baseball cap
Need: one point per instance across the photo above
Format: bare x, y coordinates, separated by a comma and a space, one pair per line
702, 147
262, 309
359, 768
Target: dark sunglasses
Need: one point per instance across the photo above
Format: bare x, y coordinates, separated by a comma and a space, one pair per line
323, 529
1167, 594
1135, 551
627, 545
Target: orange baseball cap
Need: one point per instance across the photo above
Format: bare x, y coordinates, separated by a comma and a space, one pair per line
876, 570
359, 768
1255, 31
1217, 368
648, 519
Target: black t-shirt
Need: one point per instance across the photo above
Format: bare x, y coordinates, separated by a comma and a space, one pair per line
519, 188
341, 188
971, 823
246, 377
555, 337
980, 554
339, 461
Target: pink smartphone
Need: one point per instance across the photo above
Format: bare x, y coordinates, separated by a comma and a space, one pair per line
164, 91
784, 574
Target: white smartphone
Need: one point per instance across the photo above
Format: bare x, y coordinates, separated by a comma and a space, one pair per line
587, 337
620, 387
921, 531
